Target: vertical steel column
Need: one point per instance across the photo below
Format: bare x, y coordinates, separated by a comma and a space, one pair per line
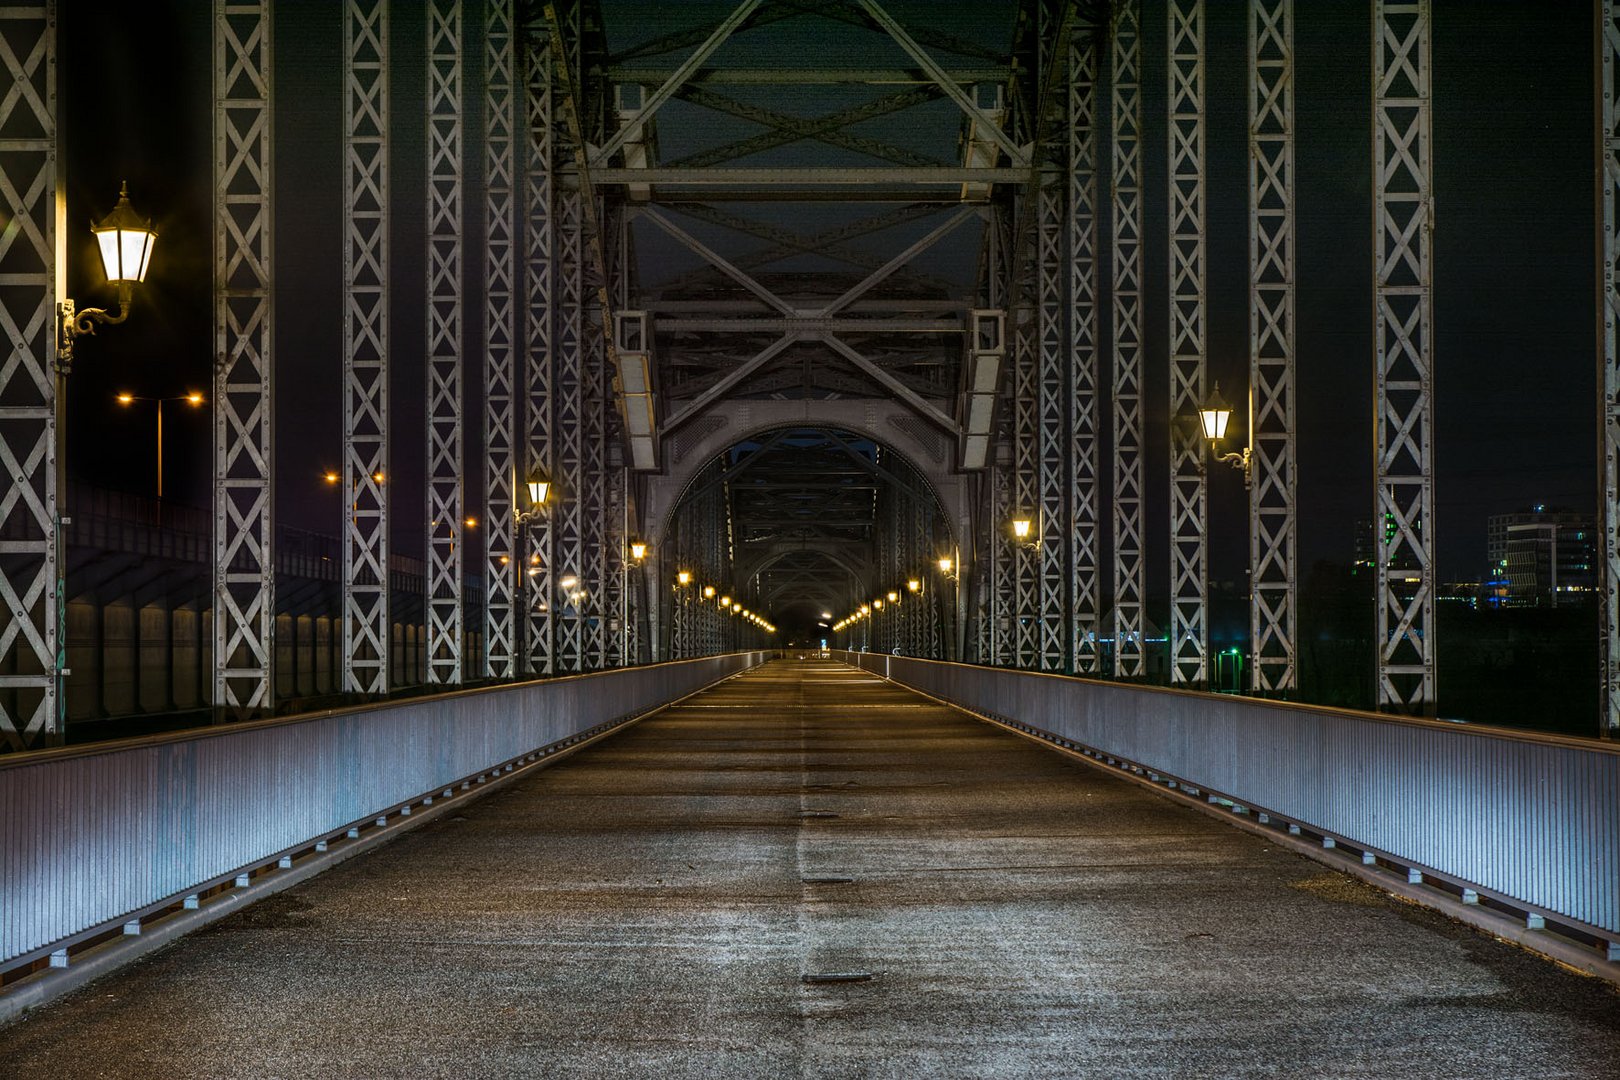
244, 368
539, 592
1084, 537
1125, 54
569, 445
1272, 519
1403, 422
367, 634
444, 441
611, 554
32, 592
501, 568
1189, 548
1607, 42
1026, 490
1053, 384
596, 563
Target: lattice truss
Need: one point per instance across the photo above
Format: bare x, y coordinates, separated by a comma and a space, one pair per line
1084, 451
1026, 487
1403, 219
444, 399
1188, 507
1273, 619
539, 572
500, 335
1125, 56
30, 555
366, 631
244, 459
1608, 44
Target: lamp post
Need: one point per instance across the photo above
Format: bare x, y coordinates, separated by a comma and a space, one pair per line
124, 241
1213, 417
128, 400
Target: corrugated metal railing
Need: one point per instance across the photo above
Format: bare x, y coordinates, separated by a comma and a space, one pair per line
93, 836
1531, 818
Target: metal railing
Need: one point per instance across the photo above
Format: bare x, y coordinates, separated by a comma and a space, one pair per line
98, 837
1526, 818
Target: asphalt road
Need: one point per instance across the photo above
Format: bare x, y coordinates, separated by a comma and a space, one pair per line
664, 904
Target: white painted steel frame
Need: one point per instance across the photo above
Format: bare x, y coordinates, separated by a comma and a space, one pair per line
1189, 504
1607, 41
32, 590
1052, 422
445, 511
501, 556
1403, 421
1273, 519
1125, 54
1026, 435
367, 634
539, 573
244, 360
1083, 345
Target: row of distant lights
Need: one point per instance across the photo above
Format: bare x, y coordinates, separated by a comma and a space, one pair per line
913, 586
683, 580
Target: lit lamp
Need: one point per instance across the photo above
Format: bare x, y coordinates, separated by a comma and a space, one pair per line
125, 241
708, 592
537, 487
1023, 530
914, 585
877, 605
193, 399
893, 596
947, 567
684, 578
1213, 417
638, 551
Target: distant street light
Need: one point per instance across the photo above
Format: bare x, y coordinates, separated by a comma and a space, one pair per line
127, 400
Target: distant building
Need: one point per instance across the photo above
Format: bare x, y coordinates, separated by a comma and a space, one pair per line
1547, 555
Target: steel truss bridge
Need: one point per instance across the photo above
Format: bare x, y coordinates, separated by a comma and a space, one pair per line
806, 297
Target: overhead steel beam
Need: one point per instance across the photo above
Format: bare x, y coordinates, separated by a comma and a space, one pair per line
805, 76
1189, 545
700, 404
33, 378
809, 325
942, 80
876, 277
950, 175
719, 261
367, 631
831, 129
1273, 608
677, 78
915, 401
1403, 371
445, 530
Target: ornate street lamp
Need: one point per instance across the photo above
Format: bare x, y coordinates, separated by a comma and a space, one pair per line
537, 487
125, 241
1213, 417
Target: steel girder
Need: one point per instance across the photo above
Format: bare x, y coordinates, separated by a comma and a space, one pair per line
501, 557
1273, 615
1189, 546
367, 635
444, 399
1084, 429
1403, 421
1026, 487
32, 586
244, 383
539, 574
1607, 42
1125, 56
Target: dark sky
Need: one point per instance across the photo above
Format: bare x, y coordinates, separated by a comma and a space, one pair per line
1514, 281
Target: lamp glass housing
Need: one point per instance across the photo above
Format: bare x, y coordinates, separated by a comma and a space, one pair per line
1021, 527
684, 577
539, 487
638, 551
945, 564
913, 585
125, 241
1215, 414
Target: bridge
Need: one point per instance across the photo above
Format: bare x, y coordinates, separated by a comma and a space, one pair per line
721, 540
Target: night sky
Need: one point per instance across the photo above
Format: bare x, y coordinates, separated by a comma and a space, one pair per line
1514, 264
